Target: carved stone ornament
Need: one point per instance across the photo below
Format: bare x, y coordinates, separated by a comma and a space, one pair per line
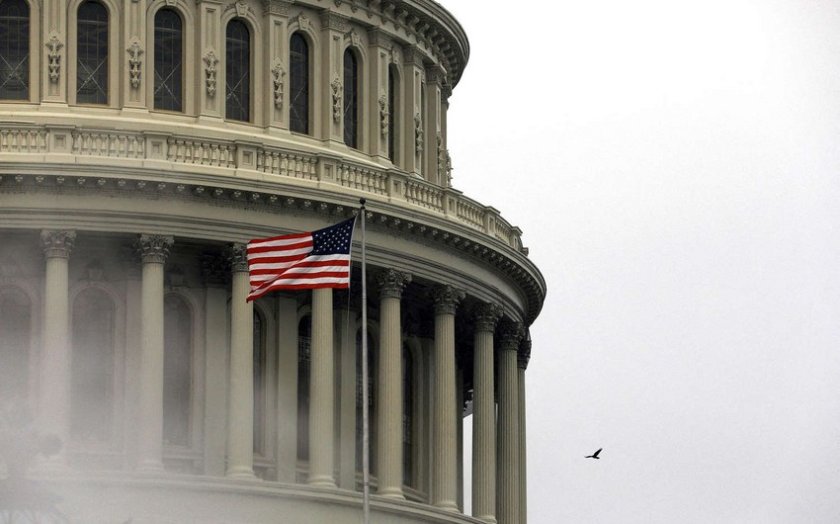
395, 55
524, 354
135, 63
384, 115
241, 7
54, 46
446, 299
355, 39
57, 244
447, 170
418, 133
210, 62
153, 249
336, 98
239, 258
510, 333
303, 22
277, 75
486, 315
391, 283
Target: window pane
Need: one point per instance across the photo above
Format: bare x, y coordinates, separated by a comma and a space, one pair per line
237, 72
351, 109
177, 370
299, 84
92, 51
92, 366
168, 61
14, 50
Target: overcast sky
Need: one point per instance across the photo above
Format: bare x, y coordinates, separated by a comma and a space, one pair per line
675, 169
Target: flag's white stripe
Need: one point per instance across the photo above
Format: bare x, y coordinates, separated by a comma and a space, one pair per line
320, 280
254, 263
280, 242
275, 265
316, 269
280, 253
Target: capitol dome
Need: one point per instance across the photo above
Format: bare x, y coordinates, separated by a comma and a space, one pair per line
142, 144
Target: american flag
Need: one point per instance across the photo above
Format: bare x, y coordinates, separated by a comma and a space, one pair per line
320, 259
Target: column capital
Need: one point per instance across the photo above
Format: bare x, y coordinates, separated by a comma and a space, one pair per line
524, 354
486, 315
238, 258
334, 21
446, 299
392, 283
511, 333
154, 249
435, 75
57, 243
413, 56
276, 7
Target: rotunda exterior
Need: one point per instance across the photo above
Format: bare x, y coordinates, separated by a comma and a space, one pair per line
142, 144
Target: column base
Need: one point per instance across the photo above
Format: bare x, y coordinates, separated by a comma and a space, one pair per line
322, 481
391, 493
447, 505
489, 519
241, 472
150, 466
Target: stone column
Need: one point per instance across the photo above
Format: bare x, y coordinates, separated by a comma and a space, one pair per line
240, 444
523, 357
346, 326
444, 440
153, 251
507, 509
287, 384
216, 273
484, 415
389, 450
55, 363
322, 392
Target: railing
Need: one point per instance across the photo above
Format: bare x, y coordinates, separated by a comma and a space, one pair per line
393, 185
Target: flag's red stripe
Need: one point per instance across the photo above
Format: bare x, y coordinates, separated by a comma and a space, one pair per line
280, 237
253, 250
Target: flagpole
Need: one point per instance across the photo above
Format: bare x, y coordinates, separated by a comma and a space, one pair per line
365, 414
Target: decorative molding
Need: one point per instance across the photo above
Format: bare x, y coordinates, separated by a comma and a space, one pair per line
391, 283
446, 299
54, 46
135, 62
330, 20
154, 249
418, 133
336, 98
57, 243
486, 315
277, 75
510, 334
384, 115
238, 258
210, 62
276, 7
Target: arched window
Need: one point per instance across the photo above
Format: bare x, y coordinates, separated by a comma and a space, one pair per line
92, 54
408, 416
238, 71
259, 384
169, 58
14, 50
298, 84
177, 370
92, 369
351, 99
15, 311
372, 374
393, 104
304, 360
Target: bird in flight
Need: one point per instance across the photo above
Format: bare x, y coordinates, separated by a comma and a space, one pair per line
595, 455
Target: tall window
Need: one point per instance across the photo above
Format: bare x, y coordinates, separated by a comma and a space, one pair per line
298, 84
14, 50
169, 53
351, 101
259, 385
92, 54
304, 356
14, 343
392, 112
92, 369
238, 72
408, 416
177, 370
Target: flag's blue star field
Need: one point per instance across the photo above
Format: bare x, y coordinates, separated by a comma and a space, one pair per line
333, 240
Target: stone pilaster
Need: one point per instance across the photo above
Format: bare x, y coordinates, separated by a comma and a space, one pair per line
389, 450
333, 28
55, 365
484, 415
377, 105
523, 357
434, 136
210, 88
153, 251
414, 139
277, 54
444, 440
322, 392
240, 444
507, 501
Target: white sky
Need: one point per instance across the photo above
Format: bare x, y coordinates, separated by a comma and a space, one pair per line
674, 166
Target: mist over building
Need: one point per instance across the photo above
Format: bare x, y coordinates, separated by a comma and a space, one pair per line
142, 144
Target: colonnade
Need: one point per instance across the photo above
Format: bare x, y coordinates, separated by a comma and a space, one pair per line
498, 443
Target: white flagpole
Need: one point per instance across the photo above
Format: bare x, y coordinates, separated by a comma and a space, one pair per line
365, 414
